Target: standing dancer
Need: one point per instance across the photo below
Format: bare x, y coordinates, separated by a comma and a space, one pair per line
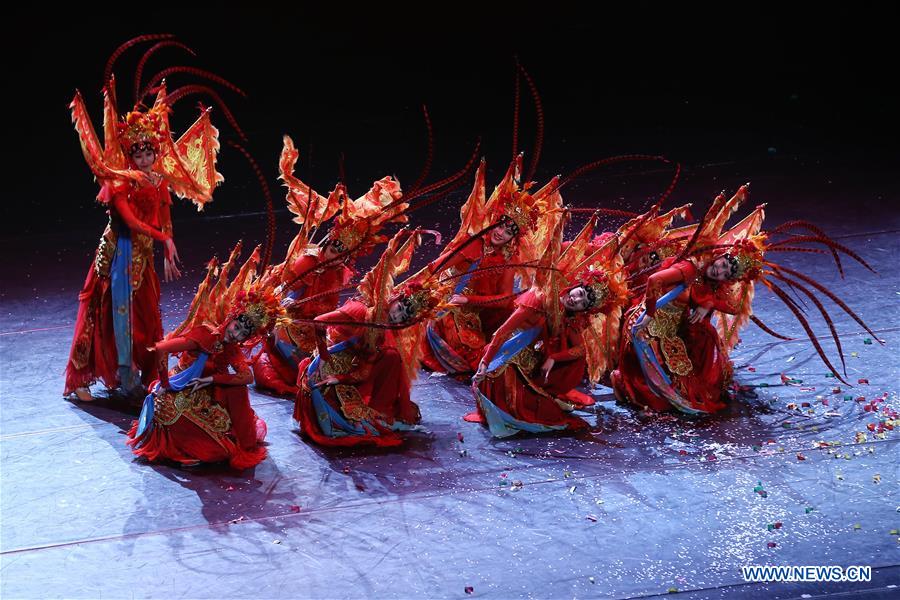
118, 314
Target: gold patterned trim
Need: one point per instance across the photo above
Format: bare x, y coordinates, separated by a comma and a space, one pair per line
199, 407
352, 404
141, 255
664, 327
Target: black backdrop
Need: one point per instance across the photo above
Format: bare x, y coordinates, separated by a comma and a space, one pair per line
701, 85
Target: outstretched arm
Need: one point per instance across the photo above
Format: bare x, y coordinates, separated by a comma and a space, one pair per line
662, 281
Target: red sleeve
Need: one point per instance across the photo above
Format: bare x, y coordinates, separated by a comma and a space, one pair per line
303, 265
237, 360
575, 349
662, 281
165, 213
518, 320
166, 347
120, 203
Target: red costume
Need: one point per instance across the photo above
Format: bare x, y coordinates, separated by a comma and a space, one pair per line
118, 315
693, 353
310, 283
536, 359
519, 388
478, 268
357, 389
678, 354
214, 424
372, 384
201, 412
144, 211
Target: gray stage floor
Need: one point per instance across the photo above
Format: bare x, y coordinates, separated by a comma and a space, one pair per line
637, 507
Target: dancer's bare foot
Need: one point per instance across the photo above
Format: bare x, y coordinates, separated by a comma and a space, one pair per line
565, 406
83, 394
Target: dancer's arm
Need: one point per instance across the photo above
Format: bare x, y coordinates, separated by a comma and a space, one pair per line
242, 373
120, 203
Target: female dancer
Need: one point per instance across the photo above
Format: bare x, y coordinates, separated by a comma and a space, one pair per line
357, 389
201, 412
672, 353
562, 329
118, 314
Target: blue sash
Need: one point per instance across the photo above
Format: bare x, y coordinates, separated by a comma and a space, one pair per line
500, 423
177, 382
654, 374
120, 287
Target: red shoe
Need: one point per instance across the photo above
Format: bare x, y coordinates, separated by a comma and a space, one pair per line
474, 417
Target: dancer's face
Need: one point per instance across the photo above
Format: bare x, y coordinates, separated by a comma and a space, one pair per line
719, 269
398, 313
143, 159
576, 300
501, 235
238, 330
332, 251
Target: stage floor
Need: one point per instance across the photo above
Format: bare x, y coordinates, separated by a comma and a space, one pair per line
639, 506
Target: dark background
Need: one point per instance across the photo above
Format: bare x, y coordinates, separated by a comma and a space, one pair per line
706, 85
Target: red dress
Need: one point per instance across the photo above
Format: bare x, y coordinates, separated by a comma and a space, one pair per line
372, 384
466, 328
518, 388
144, 210
275, 367
691, 354
214, 424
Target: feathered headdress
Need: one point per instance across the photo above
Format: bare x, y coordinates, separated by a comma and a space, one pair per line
748, 251
188, 164
143, 129
218, 300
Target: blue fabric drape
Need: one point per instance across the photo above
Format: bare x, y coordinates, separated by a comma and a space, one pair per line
177, 382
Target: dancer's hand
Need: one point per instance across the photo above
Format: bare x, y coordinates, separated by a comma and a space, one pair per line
198, 383
170, 270
699, 314
286, 302
642, 324
458, 300
480, 374
330, 380
170, 262
547, 367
